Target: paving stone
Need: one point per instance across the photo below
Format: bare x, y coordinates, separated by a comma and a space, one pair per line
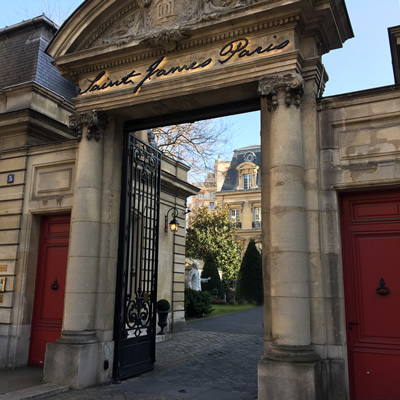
196, 364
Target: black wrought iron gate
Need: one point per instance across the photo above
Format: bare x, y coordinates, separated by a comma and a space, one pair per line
135, 316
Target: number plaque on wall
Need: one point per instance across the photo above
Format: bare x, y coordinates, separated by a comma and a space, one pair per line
3, 283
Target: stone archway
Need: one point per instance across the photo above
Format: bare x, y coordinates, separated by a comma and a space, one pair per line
147, 60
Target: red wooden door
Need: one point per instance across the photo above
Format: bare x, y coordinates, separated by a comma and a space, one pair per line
371, 267
48, 304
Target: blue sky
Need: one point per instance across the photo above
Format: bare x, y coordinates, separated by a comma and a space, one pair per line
364, 62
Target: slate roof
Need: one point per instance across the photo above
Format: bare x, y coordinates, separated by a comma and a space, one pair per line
232, 177
23, 60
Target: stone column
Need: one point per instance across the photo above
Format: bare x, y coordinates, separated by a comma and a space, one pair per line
72, 359
287, 370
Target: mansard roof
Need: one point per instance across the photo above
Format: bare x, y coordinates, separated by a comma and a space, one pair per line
231, 181
22, 52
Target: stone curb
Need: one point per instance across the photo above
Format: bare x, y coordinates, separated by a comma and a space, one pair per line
36, 392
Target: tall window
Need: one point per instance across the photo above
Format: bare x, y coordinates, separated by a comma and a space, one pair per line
257, 217
235, 214
247, 181
212, 205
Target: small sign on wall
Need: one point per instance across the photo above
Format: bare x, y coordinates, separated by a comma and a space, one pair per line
3, 283
3, 267
10, 178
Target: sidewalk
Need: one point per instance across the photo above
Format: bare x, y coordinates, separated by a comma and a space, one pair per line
214, 358
20, 378
26, 383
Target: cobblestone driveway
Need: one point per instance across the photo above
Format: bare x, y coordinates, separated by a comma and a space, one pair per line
196, 364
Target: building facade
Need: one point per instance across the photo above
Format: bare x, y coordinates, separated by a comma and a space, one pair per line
212, 184
330, 179
236, 184
241, 193
49, 269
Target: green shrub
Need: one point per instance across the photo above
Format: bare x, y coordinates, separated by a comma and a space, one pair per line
162, 305
250, 281
214, 286
197, 304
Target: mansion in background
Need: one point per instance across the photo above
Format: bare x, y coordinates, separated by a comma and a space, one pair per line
236, 184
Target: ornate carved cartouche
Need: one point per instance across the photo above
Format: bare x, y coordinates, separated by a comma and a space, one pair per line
161, 23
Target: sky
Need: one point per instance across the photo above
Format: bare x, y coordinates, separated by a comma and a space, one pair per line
363, 62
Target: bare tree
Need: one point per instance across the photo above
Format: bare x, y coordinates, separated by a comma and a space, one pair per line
56, 10
197, 144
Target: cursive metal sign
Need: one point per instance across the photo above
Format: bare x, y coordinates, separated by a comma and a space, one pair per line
236, 49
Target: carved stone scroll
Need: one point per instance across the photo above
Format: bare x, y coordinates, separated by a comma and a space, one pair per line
95, 122
292, 83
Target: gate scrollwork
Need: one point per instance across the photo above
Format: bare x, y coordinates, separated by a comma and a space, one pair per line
138, 259
138, 313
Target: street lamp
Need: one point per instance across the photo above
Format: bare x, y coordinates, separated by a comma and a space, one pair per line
174, 224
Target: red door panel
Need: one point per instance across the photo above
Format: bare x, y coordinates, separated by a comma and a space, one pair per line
380, 259
371, 378
371, 267
50, 285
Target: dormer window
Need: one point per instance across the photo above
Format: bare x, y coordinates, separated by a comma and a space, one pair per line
247, 181
247, 174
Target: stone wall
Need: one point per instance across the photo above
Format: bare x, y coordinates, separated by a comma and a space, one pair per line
360, 150
44, 179
43, 184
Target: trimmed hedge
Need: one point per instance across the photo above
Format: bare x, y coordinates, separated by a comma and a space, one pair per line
163, 305
197, 304
250, 281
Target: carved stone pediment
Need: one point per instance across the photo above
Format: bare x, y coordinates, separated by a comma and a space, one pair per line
160, 23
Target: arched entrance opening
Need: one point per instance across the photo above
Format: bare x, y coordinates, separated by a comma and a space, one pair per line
147, 63
138, 270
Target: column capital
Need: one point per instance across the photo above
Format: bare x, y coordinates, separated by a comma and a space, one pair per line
291, 84
94, 121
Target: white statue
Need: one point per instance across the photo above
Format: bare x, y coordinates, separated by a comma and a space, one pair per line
194, 278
